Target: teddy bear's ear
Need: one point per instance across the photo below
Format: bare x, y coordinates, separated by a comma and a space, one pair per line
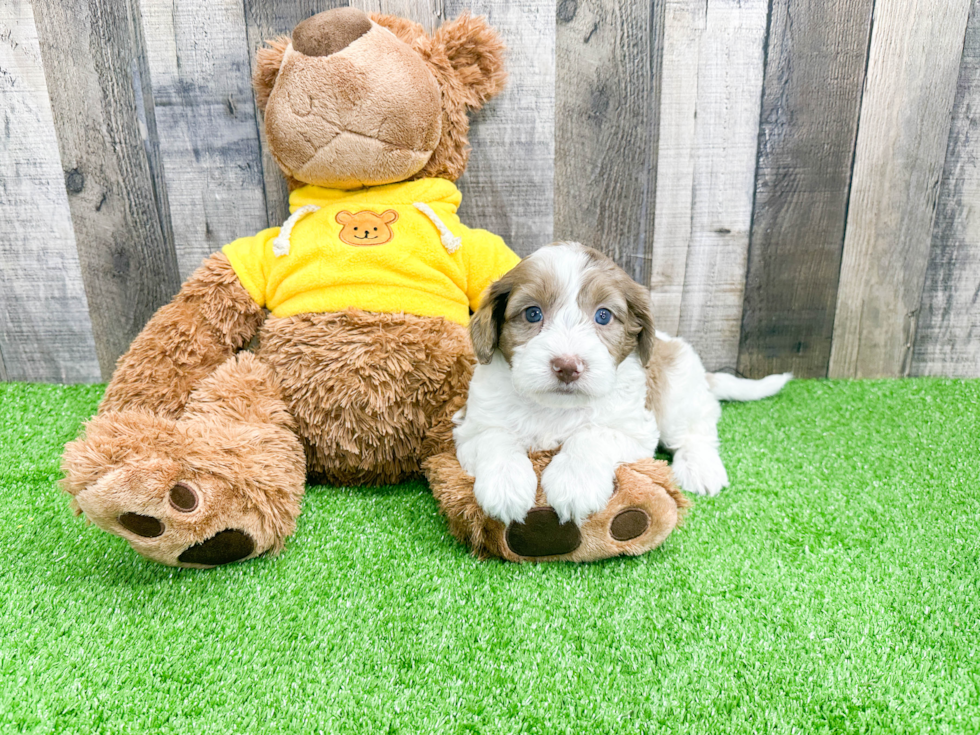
405, 30
389, 216
267, 63
476, 54
344, 217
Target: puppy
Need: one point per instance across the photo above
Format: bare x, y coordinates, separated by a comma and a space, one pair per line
569, 357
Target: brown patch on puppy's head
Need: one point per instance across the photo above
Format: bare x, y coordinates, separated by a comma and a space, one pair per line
499, 323
606, 285
355, 101
488, 320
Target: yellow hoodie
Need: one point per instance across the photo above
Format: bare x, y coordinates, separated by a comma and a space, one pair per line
394, 248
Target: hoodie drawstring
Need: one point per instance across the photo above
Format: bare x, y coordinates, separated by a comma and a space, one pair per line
449, 242
280, 246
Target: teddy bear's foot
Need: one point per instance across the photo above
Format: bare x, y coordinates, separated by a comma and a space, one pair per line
219, 485
644, 508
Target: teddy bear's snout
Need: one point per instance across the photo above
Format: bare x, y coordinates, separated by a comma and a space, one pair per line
330, 31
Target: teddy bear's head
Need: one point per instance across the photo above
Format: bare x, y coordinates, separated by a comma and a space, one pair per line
352, 100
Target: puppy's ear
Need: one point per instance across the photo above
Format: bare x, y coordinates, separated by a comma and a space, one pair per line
488, 320
267, 63
476, 54
640, 320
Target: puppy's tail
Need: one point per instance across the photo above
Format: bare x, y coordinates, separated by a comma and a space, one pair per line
727, 387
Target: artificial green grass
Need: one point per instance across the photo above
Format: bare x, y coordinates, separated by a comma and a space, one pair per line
832, 588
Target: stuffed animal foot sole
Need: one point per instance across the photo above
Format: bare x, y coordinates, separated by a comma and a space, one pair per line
189, 493
645, 507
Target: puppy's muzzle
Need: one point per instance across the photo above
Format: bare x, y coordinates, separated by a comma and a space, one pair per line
567, 369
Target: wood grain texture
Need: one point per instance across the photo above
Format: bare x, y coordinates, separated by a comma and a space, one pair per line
45, 331
721, 169
815, 63
205, 113
508, 187
103, 114
947, 338
267, 20
905, 120
684, 25
606, 127
427, 13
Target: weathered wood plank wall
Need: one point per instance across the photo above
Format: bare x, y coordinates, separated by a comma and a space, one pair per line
795, 180
898, 161
45, 331
206, 122
815, 61
947, 338
726, 119
99, 86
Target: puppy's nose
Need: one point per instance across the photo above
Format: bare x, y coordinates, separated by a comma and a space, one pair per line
330, 31
567, 369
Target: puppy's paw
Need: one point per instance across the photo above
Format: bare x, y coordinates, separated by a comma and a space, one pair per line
576, 488
699, 470
506, 489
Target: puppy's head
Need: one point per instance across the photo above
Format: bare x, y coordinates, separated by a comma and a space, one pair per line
564, 319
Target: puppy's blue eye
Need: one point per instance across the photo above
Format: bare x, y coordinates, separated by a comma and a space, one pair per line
603, 316
533, 314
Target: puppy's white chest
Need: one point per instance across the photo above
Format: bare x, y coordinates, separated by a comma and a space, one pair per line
549, 428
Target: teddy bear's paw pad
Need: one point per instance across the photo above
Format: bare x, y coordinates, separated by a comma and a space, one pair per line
145, 526
629, 524
222, 548
183, 498
543, 534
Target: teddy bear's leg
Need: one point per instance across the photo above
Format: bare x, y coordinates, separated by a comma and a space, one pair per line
643, 510
210, 319
222, 483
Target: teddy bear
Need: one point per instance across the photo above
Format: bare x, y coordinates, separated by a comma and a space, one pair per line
333, 348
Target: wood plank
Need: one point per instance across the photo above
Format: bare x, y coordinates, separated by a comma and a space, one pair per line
266, 20
427, 13
103, 115
905, 120
45, 333
684, 26
726, 121
815, 63
508, 187
606, 127
947, 338
205, 115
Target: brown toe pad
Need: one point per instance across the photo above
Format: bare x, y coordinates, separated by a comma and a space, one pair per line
542, 534
222, 548
629, 524
145, 526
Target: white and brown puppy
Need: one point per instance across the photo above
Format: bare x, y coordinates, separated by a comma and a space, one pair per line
569, 357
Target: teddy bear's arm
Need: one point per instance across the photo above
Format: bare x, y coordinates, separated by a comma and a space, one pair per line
211, 318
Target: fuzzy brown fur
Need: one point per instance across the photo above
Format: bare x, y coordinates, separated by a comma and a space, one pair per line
372, 394
234, 447
207, 322
646, 487
349, 398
